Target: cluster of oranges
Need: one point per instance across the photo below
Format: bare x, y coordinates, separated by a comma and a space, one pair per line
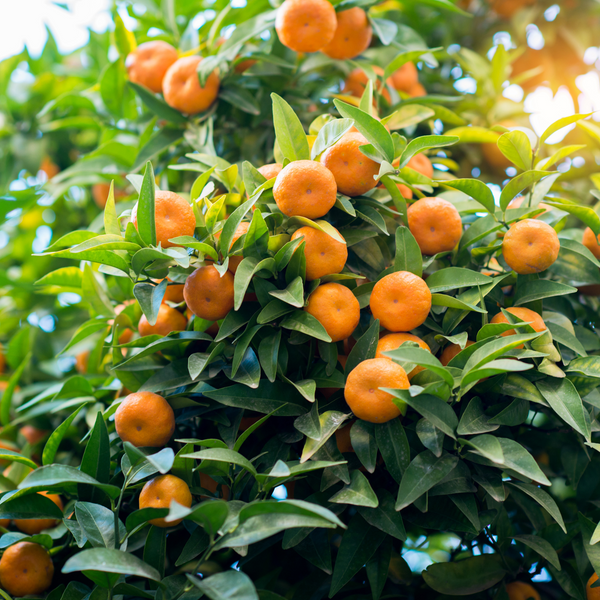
156, 65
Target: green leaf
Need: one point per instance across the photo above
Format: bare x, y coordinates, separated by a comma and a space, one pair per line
7, 394
305, 323
424, 358
375, 133
94, 293
541, 546
452, 278
329, 134
487, 446
584, 213
474, 420
515, 145
385, 517
362, 438
150, 298
111, 223
146, 225
385, 29
425, 142
538, 289
157, 105
434, 409
13, 456
558, 125
211, 514
425, 471
543, 499
222, 455
293, 294
31, 506
592, 550
329, 422
516, 185
108, 560
464, 577
51, 447
477, 190
393, 445
98, 523
268, 353
289, 131
228, 585
408, 254
365, 348
358, 492
564, 399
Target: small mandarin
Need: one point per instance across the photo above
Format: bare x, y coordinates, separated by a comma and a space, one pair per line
519, 590
306, 25
530, 246
357, 80
451, 350
145, 419
271, 170
81, 362
173, 216
35, 526
160, 492
148, 64
526, 315
169, 319
436, 225
421, 164
401, 301
182, 89
324, 254
395, 340
352, 35
4, 523
173, 293
305, 188
362, 392
417, 91
336, 308
26, 569
354, 172
406, 192
508, 8
32, 434
207, 294
100, 193
592, 593
591, 242
405, 78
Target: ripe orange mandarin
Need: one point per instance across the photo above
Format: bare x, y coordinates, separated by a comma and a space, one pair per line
173, 293
35, 526
508, 8
530, 246
357, 80
26, 569
401, 301
147, 65
271, 170
417, 90
145, 419
353, 171
182, 89
324, 254
591, 242
519, 590
405, 78
436, 225
526, 315
352, 35
81, 362
169, 320
173, 216
305, 188
306, 25
421, 164
32, 434
592, 593
207, 294
451, 350
395, 340
336, 308
100, 193
160, 491
362, 392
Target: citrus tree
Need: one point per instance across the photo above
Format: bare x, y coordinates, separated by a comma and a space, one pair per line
319, 353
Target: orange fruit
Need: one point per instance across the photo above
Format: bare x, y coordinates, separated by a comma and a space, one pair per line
519, 590
271, 170
405, 78
145, 419
234, 261
49, 167
4, 523
336, 308
590, 241
362, 392
592, 593
508, 8
148, 64
26, 569
173, 216
32, 434
530, 246
182, 89
401, 301
395, 340
451, 350
352, 35
207, 294
35, 526
421, 164
516, 203
169, 320
354, 172
81, 362
324, 254
406, 192
100, 193
160, 491
173, 293
305, 188
306, 25
342, 439
436, 225
417, 90
525, 314
357, 80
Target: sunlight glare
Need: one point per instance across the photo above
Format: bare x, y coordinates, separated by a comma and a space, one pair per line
545, 109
